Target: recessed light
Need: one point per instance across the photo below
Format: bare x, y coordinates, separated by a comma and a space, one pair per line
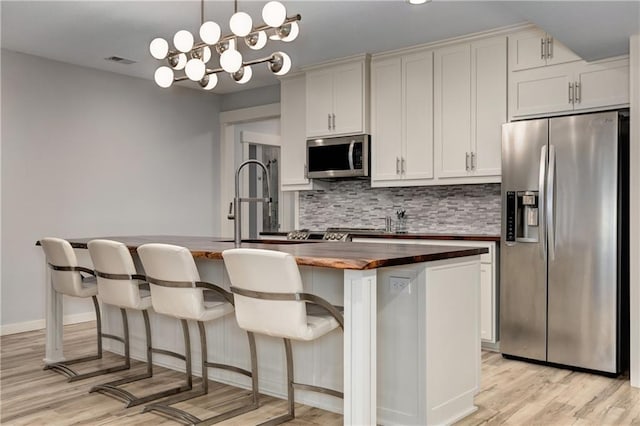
417, 1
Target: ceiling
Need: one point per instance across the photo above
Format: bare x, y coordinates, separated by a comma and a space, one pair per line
85, 32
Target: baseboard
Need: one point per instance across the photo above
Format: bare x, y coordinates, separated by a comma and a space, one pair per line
21, 327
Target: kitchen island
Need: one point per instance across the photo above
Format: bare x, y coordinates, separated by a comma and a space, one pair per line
410, 353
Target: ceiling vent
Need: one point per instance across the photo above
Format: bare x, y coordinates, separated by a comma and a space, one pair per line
120, 60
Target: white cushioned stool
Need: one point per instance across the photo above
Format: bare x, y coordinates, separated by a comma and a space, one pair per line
176, 291
66, 279
268, 295
119, 285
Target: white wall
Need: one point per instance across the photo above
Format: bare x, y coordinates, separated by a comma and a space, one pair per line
250, 98
635, 210
92, 153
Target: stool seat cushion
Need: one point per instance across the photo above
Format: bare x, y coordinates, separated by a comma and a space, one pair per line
88, 287
318, 326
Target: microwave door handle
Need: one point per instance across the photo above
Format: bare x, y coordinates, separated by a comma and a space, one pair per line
351, 154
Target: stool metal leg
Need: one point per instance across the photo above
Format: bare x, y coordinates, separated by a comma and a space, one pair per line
291, 414
63, 367
112, 389
176, 413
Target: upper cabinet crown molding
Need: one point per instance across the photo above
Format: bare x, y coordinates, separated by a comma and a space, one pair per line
337, 98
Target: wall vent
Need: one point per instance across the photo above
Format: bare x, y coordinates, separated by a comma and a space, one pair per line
120, 60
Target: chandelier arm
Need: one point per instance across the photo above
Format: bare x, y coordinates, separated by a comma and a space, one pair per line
228, 37
289, 20
201, 12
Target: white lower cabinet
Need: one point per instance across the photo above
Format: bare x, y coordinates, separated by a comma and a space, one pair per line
489, 285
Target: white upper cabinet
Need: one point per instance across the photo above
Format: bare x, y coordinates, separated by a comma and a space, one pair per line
337, 99
470, 106
535, 48
293, 151
575, 86
402, 119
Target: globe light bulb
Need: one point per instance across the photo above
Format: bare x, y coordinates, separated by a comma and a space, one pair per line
293, 32
281, 63
159, 48
274, 14
210, 81
183, 40
243, 75
240, 24
256, 41
206, 54
178, 62
163, 77
195, 69
210, 32
231, 60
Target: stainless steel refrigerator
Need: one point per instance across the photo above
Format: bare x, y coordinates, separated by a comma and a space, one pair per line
564, 246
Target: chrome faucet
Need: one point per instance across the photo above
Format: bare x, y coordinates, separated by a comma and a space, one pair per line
236, 216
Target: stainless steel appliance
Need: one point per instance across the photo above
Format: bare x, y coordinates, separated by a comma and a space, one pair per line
330, 234
564, 248
345, 156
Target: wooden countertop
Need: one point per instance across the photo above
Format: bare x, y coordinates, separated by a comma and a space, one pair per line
411, 236
337, 255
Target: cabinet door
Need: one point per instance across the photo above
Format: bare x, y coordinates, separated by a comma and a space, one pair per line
489, 100
417, 112
602, 84
319, 102
386, 114
452, 110
486, 302
527, 50
348, 99
293, 141
558, 53
541, 90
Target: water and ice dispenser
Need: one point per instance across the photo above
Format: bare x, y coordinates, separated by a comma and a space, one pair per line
522, 216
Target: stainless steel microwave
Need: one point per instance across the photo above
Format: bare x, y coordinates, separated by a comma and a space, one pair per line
344, 156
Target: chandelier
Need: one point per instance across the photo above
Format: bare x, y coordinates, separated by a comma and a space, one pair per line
188, 59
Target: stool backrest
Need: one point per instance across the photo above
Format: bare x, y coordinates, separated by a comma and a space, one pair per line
113, 257
173, 265
59, 252
271, 272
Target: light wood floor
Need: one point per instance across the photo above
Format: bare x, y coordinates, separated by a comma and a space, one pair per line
512, 393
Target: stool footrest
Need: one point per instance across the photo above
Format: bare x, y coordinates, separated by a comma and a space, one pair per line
172, 412
228, 367
169, 353
318, 389
113, 337
278, 420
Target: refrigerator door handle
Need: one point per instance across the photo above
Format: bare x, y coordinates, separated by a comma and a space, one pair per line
550, 208
542, 235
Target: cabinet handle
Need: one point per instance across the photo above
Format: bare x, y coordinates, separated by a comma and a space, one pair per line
397, 165
328, 121
334, 121
570, 93
402, 168
466, 161
542, 44
578, 92
473, 161
550, 48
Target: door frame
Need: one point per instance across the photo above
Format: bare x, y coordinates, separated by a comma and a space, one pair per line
228, 121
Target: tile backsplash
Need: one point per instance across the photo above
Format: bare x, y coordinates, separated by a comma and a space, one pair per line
429, 209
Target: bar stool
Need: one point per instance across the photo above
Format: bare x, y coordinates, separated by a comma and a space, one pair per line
265, 282
66, 279
119, 285
176, 291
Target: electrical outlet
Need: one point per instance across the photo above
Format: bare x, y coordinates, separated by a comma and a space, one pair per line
399, 284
